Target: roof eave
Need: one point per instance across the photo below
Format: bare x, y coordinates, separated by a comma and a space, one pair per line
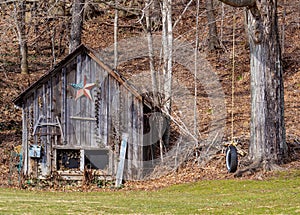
19, 100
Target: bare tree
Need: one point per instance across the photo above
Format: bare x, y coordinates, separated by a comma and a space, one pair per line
195, 74
41, 19
151, 55
76, 24
213, 39
20, 23
167, 35
267, 145
116, 35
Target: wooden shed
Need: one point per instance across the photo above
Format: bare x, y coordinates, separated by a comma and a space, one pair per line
74, 117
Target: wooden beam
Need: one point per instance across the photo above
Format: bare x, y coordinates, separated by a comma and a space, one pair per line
118, 78
82, 118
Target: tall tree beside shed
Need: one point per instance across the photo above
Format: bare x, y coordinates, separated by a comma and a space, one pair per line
267, 145
167, 44
76, 24
19, 16
148, 18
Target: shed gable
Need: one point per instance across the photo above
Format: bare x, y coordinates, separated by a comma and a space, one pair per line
81, 105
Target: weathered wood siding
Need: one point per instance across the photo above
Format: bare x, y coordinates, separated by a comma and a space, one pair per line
85, 124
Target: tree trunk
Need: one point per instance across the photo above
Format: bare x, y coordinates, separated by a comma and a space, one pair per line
195, 77
24, 56
151, 53
267, 144
76, 24
167, 62
116, 56
20, 8
213, 40
267, 98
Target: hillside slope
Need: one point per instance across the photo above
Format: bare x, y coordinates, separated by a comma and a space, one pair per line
98, 34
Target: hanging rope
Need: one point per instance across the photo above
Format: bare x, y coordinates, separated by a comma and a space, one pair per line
233, 77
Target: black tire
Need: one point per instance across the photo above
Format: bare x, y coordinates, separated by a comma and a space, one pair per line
231, 159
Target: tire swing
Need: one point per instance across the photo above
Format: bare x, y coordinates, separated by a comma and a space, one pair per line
231, 151
231, 159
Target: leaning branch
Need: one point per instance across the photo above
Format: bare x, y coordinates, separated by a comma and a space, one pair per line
181, 15
239, 3
14, 1
127, 10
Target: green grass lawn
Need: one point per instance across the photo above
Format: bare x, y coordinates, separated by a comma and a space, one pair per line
280, 195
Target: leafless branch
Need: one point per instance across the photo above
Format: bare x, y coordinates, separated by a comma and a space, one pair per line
183, 12
239, 3
127, 10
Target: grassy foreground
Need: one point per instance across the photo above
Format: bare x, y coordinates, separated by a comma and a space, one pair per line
280, 195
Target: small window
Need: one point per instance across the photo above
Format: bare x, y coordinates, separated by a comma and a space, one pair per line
96, 159
68, 159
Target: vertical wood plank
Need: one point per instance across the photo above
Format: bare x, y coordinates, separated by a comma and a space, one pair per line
83, 104
109, 108
68, 105
30, 124
141, 139
44, 130
89, 103
129, 129
25, 137
95, 76
77, 103
35, 112
92, 124
135, 132
101, 77
123, 121
71, 103
109, 119
63, 99
105, 104
88, 136
138, 138
115, 121
57, 96
50, 130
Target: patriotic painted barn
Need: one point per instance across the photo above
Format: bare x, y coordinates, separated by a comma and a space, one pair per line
74, 117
